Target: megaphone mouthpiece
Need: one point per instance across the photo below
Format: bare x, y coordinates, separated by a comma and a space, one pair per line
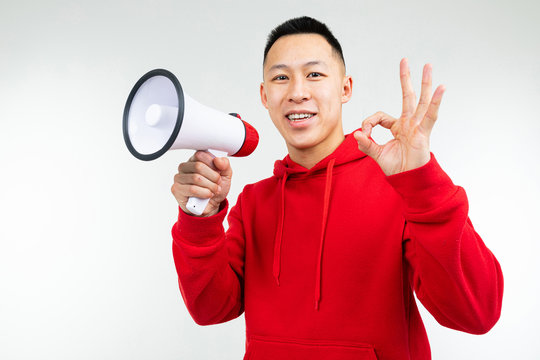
251, 140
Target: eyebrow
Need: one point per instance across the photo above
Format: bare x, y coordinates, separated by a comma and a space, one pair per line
309, 63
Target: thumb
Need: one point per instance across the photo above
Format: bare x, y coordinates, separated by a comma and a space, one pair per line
223, 166
367, 145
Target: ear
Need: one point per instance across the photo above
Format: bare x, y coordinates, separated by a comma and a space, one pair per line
346, 92
264, 100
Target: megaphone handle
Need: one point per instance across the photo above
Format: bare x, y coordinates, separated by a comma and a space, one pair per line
197, 205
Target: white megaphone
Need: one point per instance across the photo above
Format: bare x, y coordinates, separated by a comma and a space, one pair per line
159, 116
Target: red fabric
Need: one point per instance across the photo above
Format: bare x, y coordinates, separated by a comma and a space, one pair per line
353, 240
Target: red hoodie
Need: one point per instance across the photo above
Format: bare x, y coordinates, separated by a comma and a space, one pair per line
324, 261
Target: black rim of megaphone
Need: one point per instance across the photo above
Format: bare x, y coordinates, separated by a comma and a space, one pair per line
179, 118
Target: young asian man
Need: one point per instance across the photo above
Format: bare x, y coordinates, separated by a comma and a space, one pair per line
323, 257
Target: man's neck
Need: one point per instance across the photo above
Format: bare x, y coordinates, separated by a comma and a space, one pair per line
311, 156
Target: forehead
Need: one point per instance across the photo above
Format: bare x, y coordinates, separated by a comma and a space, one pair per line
299, 49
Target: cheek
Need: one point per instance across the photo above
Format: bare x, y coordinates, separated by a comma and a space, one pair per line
273, 104
329, 101
272, 101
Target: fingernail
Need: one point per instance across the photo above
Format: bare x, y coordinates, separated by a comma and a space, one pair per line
219, 189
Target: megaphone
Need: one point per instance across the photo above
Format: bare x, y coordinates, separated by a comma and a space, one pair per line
159, 116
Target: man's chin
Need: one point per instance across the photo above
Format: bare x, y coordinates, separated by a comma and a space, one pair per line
304, 144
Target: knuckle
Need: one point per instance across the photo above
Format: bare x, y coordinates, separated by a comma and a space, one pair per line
201, 156
182, 167
193, 190
407, 94
197, 154
197, 179
199, 166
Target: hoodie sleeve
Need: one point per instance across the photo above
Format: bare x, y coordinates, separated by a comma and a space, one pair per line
210, 265
454, 275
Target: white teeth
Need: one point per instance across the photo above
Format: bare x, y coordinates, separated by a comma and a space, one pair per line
295, 117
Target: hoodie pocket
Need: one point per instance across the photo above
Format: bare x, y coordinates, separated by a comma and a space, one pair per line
262, 348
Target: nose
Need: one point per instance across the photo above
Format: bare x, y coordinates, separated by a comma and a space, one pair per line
298, 91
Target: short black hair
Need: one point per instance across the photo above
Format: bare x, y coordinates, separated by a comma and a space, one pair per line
303, 25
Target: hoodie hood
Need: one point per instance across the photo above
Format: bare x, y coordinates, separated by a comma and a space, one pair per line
346, 152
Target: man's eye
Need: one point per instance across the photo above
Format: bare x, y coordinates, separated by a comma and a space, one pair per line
280, 77
314, 74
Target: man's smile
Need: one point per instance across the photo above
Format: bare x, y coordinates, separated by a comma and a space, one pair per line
301, 119
302, 116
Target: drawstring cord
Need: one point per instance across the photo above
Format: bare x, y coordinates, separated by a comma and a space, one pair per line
276, 269
279, 234
328, 187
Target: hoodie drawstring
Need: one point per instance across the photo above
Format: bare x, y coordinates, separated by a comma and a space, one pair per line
327, 188
276, 269
279, 234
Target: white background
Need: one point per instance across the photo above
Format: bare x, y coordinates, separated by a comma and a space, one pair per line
86, 269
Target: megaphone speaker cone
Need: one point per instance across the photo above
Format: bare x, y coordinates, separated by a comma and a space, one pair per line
153, 114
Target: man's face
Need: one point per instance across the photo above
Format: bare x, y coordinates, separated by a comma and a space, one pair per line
304, 87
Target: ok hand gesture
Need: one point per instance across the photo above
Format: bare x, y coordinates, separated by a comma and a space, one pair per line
410, 147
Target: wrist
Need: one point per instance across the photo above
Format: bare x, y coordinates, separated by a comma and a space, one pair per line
418, 162
409, 165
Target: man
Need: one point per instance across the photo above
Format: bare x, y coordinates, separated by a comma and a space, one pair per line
324, 256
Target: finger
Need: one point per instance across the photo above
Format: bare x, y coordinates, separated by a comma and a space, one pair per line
197, 179
175, 190
199, 156
425, 94
379, 118
409, 97
183, 191
433, 109
223, 165
201, 168
367, 145
205, 157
